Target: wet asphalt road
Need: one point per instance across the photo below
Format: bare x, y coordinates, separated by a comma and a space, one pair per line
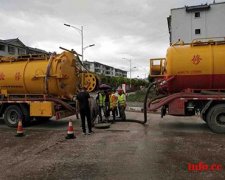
161, 149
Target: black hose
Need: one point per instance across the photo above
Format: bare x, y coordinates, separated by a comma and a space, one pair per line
127, 120
145, 101
145, 108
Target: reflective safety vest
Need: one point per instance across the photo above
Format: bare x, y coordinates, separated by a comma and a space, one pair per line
113, 101
121, 100
101, 99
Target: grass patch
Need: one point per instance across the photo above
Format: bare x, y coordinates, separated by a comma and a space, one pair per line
138, 96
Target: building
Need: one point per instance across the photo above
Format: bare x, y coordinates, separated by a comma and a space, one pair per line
15, 47
192, 22
104, 69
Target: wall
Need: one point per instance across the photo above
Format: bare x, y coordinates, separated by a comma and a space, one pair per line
211, 23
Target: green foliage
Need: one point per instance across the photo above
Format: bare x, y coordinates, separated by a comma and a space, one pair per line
117, 81
138, 96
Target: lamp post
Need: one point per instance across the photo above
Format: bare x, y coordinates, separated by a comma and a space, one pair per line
88, 46
82, 38
91, 45
81, 30
130, 68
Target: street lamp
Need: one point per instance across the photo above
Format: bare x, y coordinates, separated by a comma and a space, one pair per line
88, 46
130, 68
82, 38
91, 45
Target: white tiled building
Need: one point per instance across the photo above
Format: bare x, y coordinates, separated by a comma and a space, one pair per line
192, 22
104, 69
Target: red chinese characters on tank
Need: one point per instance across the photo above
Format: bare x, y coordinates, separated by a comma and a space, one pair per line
196, 59
2, 76
17, 76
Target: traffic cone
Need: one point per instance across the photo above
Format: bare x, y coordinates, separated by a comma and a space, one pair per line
70, 132
19, 132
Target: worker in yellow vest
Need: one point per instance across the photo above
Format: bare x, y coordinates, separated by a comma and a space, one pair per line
113, 99
100, 99
122, 104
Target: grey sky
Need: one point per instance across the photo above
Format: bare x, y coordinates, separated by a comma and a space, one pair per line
132, 29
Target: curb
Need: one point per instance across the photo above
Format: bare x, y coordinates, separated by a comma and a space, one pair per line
135, 109
140, 110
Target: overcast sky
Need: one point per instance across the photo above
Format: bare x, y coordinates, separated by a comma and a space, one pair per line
132, 29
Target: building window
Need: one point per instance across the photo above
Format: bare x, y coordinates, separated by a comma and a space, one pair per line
2, 47
197, 14
21, 51
87, 66
197, 31
11, 50
97, 70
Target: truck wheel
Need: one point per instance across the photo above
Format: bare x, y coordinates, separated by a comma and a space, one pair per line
216, 118
12, 115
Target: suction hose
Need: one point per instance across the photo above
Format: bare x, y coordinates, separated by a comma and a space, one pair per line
145, 101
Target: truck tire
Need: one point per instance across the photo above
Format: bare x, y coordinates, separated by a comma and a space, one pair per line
12, 115
216, 118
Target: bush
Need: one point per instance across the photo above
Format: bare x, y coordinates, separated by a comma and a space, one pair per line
118, 81
138, 96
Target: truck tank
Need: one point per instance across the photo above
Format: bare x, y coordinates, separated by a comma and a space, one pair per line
56, 75
195, 66
190, 81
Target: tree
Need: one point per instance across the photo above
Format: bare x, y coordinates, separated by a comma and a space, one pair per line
115, 82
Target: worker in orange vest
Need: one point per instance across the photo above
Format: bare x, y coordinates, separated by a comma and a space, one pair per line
113, 100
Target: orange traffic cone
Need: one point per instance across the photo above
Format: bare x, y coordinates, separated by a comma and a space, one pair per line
70, 132
19, 132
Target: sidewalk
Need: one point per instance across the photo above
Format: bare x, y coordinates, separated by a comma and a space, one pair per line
138, 107
135, 106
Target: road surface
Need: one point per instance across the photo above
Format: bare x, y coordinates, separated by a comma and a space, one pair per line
161, 149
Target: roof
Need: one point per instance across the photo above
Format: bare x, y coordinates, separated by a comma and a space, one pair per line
37, 50
197, 8
14, 42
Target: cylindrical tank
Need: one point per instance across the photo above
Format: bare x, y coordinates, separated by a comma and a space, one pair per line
57, 75
196, 66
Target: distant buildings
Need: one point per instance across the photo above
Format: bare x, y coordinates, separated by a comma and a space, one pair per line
104, 69
15, 47
202, 21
